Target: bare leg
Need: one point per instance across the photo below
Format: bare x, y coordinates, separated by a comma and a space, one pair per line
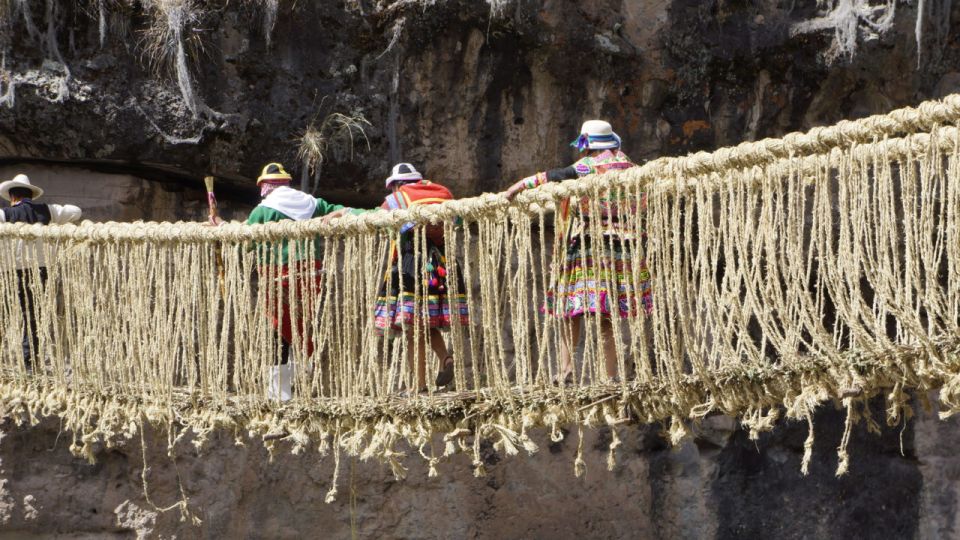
438, 345
609, 347
419, 356
445, 370
568, 346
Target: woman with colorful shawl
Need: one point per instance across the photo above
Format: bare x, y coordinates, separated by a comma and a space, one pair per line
593, 278
400, 309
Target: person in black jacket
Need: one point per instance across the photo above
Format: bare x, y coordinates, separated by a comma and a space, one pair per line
30, 260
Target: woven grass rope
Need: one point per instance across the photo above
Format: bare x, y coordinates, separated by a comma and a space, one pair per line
786, 273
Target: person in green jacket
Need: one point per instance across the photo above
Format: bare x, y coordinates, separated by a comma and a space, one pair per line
290, 270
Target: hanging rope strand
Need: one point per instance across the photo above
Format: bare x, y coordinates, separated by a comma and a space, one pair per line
784, 273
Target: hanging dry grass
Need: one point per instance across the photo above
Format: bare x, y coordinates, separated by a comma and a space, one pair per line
172, 42
6, 12
337, 135
8, 87
169, 21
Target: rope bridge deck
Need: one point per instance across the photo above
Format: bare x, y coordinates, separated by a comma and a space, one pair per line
784, 273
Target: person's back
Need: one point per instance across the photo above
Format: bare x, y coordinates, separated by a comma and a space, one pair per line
596, 275
419, 193
27, 211
30, 259
297, 271
415, 286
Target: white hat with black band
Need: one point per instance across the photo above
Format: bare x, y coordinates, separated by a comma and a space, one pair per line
403, 172
19, 181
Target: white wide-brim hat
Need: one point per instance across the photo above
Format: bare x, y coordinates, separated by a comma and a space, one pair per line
21, 181
403, 172
596, 135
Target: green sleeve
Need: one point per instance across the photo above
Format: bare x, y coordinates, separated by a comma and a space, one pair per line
324, 208
256, 216
262, 214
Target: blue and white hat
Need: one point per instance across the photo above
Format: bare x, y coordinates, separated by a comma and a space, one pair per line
596, 135
403, 172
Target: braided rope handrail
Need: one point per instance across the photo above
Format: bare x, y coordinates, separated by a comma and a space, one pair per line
784, 274
813, 143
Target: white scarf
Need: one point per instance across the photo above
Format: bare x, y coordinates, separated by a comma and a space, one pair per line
290, 202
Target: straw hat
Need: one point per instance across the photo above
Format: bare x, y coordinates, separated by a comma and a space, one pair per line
19, 181
273, 173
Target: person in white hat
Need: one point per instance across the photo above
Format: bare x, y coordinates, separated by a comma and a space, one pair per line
596, 279
398, 307
31, 261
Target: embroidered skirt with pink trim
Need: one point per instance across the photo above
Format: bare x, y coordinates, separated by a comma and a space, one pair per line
434, 307
589, 284
393, 313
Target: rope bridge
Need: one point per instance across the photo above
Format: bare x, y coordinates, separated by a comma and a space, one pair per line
785, 273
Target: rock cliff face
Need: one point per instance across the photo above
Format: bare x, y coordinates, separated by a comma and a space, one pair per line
718, 485
98, 105
475, 93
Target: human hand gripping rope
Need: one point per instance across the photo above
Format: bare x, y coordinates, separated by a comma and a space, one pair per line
527, 183
334, 215
214, 214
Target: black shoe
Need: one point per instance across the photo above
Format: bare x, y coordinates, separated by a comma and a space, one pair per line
445, 376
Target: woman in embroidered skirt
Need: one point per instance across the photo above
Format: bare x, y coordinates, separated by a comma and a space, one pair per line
399, 309
593, 278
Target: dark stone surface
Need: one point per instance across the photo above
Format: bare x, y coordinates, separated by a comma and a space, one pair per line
719, 484
762, 493
476, 93
476, 96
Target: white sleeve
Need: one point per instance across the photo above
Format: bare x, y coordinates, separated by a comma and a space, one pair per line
65, 213
3, 217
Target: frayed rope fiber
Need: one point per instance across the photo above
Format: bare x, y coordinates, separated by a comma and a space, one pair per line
784, 273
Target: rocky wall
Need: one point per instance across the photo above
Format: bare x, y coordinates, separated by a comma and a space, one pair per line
718, 484
477, 94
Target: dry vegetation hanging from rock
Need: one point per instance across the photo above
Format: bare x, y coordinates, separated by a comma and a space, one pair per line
854, 21
336, 135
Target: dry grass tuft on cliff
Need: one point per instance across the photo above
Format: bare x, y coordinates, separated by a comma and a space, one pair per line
337, 133
170, 39
856, 21
7, 85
